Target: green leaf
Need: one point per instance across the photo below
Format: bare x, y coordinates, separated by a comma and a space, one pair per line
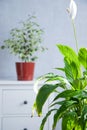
57, 103
67, 94
78, 127
82, 54
63, 82
62, 69
45, 118
84, 117
79, 84
71, 56
69, 121
62, 109
68, 71
84, 112
46, 76
68, 52
42, 96
71, 70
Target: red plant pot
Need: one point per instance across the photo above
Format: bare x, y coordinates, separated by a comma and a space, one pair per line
25, 70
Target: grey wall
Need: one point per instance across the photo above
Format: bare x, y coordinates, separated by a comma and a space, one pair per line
53, 17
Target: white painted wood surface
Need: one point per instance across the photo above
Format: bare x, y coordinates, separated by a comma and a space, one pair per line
14, 113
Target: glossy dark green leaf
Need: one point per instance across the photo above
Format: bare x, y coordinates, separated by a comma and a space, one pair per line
45, 118
56, 103
43, 95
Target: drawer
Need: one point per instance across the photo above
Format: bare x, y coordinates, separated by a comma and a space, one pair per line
22, 123
19, 102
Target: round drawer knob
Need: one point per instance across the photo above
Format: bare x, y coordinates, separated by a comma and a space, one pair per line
25, 129
25, 102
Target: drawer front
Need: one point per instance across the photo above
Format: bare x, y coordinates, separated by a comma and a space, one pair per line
19, 102
22, 123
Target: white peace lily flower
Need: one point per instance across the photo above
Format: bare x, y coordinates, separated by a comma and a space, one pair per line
72, 9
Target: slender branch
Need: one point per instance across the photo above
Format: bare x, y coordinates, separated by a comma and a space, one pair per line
75, 35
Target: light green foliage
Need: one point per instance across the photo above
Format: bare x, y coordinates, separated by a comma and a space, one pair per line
26, 40
72, 97
83, 57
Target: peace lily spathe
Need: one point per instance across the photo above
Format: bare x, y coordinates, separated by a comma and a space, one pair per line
72, 9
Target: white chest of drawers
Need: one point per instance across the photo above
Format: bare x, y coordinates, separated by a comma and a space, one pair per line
16, 100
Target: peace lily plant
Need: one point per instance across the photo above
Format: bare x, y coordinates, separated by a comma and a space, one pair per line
72, 97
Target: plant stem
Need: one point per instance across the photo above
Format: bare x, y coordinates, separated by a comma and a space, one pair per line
75, 36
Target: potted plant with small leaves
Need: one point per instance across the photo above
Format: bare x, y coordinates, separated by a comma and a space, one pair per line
25, 41
70, 99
